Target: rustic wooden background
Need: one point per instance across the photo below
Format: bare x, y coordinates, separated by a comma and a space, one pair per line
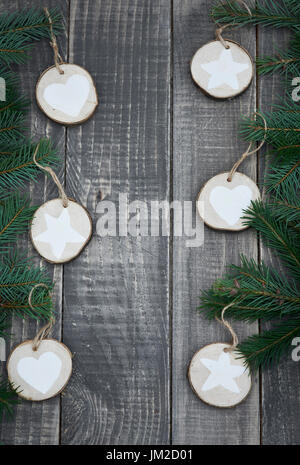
127, 305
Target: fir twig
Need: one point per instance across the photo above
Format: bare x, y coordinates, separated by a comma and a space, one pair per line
275, 234
19, 29
267, 348
258, 293
264, 12
15, 215
19, 167
8, 397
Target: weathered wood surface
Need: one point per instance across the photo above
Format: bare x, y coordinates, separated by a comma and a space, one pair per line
116, 311
280, 385
38, 423
205, 143
128, 305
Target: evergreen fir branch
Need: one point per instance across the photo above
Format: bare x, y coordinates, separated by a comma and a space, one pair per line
11, 126
283, 177
285, 61
13, 100
19, 167
19, 29
19, 276
8, 398
265, 13
3, 325
275, 234
283, 128
287, 210
266, 349
258, 292
15, 215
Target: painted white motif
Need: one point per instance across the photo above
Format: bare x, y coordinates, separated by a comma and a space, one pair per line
222, 373
230, 203
59, 233
69, 97
40, 373
224, 71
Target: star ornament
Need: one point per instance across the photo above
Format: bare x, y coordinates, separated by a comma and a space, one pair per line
219, 377
59, 234
224, 71
222, 373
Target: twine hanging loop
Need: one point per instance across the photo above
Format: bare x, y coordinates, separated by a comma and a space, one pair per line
220, 29
248, 151
57, 57
45, 330
235, 340
219, 37
63, 196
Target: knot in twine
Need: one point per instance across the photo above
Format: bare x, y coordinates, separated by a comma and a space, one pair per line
248, 151
235, 340
62, 194
220, 29
57, 57
45, 330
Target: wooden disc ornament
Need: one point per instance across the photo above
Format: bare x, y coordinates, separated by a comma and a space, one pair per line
60, 228
222, 70
222, 201
40, 368
69, 97
218, 375
65, 92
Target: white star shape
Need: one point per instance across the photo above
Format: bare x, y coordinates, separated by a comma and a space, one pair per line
224, 71
59, 233
222, 373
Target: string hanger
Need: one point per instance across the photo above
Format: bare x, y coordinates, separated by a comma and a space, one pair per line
45, 330
62, 194
235, 340
249, 151
57, 56
220, 28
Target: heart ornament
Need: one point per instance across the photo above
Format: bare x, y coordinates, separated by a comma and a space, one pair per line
40, 373
69, 97
221, 203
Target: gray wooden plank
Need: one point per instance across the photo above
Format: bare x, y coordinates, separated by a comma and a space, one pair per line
280, 394
206, 142
37, 423
116, 293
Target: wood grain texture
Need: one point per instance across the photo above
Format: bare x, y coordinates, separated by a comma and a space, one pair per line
280, 385
37, 423
116, 292
129, 304
206, 142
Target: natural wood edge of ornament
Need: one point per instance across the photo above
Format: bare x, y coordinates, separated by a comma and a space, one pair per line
63, 387
84, 245
213, 227
196, 393
214, 96
55, 120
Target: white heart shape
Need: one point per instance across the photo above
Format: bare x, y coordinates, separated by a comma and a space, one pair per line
40, 373
230, 203
69, 97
